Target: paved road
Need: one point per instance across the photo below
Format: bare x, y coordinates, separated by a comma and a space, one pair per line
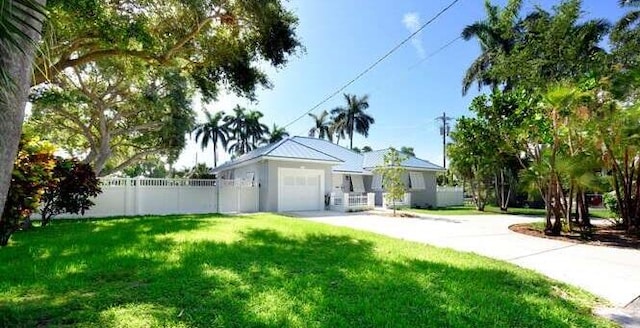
612, 273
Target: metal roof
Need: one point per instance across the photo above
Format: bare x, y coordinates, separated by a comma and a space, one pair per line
376, 158
352, 161
314, 149
287, 148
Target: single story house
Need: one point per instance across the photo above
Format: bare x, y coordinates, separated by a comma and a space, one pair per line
299, 173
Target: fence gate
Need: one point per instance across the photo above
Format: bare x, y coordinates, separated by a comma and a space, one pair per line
238, 196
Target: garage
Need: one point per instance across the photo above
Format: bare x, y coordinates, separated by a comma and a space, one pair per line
300, 190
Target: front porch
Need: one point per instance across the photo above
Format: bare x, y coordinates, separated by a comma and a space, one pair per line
356, 202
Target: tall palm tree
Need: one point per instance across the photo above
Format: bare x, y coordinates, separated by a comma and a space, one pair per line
322, 126
275, 134
254, 128
353, 117
20, 27
214, 130
237, 126
496, 35
337, 129
246, 130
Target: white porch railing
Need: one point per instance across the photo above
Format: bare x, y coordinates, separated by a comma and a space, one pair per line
347, 202
449, 196
387, 202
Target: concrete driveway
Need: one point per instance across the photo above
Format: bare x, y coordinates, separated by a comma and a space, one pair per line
612, 273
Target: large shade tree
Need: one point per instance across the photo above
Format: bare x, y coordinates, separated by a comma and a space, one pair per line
115, 113
211, 43
353, 118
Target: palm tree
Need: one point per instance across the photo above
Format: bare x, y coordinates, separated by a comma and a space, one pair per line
20, 26
496, 35
237, 127
353, 118
338, 129
246, 130
214, 130
254, 128
322, 126
409, 151
275, 134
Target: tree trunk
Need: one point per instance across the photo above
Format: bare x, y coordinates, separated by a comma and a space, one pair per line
547, 202
557, 208
582, 207
572, 190
17, 65
215, 154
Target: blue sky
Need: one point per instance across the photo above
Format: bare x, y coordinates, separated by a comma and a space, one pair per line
343, 37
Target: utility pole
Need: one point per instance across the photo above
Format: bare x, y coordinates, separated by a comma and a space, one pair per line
444, 132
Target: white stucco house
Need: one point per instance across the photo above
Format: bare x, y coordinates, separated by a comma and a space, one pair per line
300, 173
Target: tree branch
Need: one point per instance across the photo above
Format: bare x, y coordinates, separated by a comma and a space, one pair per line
41, 77
137, 157
138, 128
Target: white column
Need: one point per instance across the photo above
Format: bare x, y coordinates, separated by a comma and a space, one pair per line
345, 201
371, 200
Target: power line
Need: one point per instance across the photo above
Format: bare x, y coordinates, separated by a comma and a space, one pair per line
385, 56
410, 68
445, 46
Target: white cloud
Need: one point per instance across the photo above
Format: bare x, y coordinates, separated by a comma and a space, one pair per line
411, 22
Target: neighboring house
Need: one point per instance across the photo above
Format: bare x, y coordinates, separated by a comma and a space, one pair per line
297, 173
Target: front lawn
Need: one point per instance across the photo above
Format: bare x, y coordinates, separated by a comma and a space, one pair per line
470, 210
267, 271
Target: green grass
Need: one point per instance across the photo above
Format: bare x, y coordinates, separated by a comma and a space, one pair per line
264, 271
470, 210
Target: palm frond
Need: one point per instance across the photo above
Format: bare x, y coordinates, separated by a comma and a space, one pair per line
17, 17
623, 25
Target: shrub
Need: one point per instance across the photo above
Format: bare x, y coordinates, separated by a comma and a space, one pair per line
70, 190
32, 172
611, 203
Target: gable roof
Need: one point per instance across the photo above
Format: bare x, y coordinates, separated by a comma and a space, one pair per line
285, 149
351, 161
376, 158
320, 150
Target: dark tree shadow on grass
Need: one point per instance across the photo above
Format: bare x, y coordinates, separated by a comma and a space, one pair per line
127, 271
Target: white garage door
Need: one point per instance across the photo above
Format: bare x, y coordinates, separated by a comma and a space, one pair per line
300, 190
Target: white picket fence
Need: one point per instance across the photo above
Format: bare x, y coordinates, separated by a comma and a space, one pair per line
148, 196
449, 196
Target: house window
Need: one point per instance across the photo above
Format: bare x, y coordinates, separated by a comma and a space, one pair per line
376, 183
416, 179
289, 181
251, 179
